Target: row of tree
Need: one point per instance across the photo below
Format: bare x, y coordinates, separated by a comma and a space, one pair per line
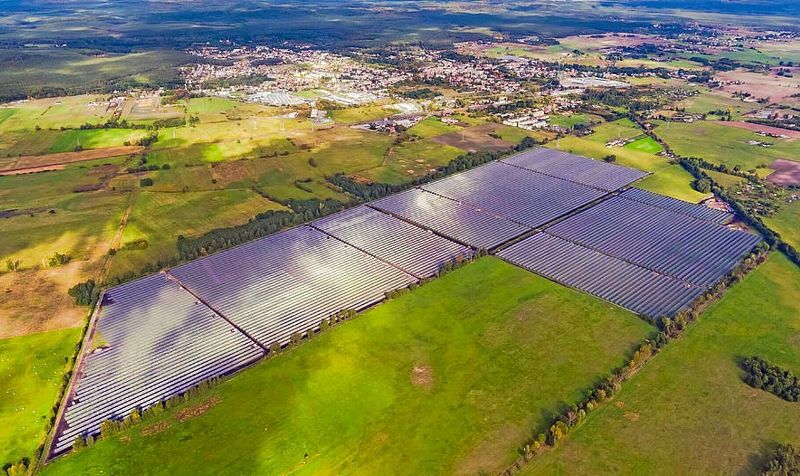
374, 190
670, 327
780, 382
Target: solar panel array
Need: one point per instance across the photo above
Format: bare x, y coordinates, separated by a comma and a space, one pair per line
692, 250
169, 331
452, 219
401, 244
288, 282
528, 198
583, 170
635, 288
701, 212
161, 341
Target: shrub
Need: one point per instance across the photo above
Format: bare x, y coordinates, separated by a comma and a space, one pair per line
146, 182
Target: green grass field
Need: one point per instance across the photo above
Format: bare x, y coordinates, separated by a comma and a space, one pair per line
787, 223
725, 180
431, 127
724, 144
31, 368
706, 101
619, 129
645, 144
688, 411
449, 378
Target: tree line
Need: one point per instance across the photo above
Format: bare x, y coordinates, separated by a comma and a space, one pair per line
670, 328
375, 190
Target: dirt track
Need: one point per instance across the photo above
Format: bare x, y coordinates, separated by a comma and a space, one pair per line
40, 163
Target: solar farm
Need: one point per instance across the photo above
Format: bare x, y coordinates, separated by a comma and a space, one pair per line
568, 218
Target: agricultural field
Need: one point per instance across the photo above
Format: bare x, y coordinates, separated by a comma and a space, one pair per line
691, 400
481, 374
776, 89
706, 101
721, 144
431, 127
157, 219
30, 377
787, 223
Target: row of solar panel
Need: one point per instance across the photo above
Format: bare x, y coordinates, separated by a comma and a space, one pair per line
651, 254
158, 340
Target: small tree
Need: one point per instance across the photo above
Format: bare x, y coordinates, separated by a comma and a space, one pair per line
79, 443
12, 265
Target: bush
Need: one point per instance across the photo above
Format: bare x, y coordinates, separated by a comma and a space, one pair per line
57, 259
146, 182
785, 461
85, 294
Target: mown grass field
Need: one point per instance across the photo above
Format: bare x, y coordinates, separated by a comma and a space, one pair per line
722, 144
31, 368
688, 411
449, 378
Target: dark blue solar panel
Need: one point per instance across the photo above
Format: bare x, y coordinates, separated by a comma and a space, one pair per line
575, 168
525, 197
635, 288
458, 221
408, 247
701, 212
677, 245
288, 282
161, 341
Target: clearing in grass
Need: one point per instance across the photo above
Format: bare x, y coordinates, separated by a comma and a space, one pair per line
457, 373
688, 411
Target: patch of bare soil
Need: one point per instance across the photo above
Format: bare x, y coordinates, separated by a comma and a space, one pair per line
196, 411
154, 429
787, 172
631, 416
474, 139
421, 376
36, 300
29, 162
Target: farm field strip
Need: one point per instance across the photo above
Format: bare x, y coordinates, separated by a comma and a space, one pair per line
155, 340
695, 251
528, 198
582, 170
627, 285
399, 243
